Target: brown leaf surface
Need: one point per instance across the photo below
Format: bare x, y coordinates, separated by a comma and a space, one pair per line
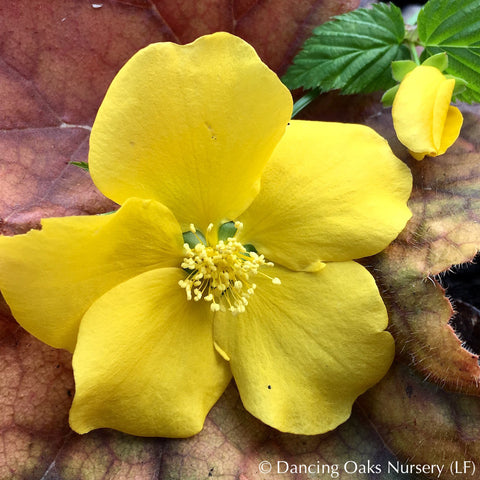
427, 408
412, 408
36, 386
443, 231
36, 179
58, 58
426, 424
56, 61
234, 444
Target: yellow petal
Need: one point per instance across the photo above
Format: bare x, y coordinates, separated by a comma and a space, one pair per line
420, 111
330, 192
304, 350
440, 110
145, 363
451, 130
412, 108
191, 126
417, 156
51, 277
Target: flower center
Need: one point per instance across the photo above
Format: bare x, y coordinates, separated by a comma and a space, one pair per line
222, 274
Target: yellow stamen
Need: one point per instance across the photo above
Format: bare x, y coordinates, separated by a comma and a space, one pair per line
222, 274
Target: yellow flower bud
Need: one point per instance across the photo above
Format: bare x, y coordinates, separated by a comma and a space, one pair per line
423, 118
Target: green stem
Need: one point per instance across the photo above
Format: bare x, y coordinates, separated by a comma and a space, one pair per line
302, 102
413, 50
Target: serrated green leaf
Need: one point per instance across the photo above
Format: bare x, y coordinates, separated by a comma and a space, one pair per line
352, 53
453, 26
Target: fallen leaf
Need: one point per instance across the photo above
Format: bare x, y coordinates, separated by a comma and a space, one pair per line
36, 179
36, 388
443, 231
234, 444
107, 455
421, 425
57, 60
421, 422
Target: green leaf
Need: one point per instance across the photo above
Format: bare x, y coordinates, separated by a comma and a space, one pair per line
107, 213
82, 165
304, 101
226, 231
453, 26
193, 238
440, 61
352, 53
401, 68
460, 85
389, 96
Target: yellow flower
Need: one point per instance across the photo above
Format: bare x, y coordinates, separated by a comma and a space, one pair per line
231, 252
423, 118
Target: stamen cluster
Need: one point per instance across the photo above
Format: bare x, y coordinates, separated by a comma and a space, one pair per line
222, 274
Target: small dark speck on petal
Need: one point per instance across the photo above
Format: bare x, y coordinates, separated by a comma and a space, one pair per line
269, 387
